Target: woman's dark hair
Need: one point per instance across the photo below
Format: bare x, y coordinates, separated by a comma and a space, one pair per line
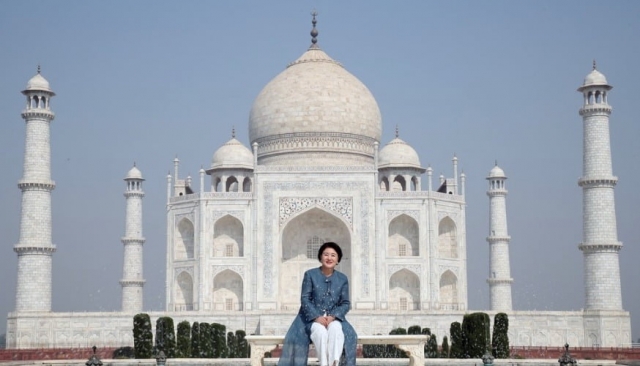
333, 246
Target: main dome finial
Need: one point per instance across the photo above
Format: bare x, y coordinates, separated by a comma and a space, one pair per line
314, 31
594, 63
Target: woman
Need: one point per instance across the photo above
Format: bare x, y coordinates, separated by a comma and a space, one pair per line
321, 318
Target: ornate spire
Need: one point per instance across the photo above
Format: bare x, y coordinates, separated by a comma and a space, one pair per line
38, 68
397, 131
314, 31
594, 63
233, 132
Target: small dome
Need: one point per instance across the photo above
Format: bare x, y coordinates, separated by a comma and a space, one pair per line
134, 173
398, 154
496, 172
38, 83
233, 154
595, 77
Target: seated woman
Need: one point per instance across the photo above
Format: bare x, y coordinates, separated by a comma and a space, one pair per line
321, 318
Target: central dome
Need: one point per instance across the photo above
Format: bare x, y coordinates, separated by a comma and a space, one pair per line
314, 112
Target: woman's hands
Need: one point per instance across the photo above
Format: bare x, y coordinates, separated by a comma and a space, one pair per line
325, 320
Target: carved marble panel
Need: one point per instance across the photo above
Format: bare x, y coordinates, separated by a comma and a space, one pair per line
392, 214
237, 269
179, 270
215, 215
415, 268
342, 206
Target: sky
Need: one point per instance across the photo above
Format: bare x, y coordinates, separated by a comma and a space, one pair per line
146, 81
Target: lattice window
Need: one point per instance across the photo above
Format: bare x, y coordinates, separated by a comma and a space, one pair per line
228, 250
402, 250
313, 245
228, 304
404, 303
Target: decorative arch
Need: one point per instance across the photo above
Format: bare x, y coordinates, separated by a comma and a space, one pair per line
610, 340
183, 247
228, 291
404, 291
384, 184
415, 183
403, 240
183, 296
246, 185
300, 237
228, 237
447, 238
448, 290
217, 184
593, 340
399, 184
231, 184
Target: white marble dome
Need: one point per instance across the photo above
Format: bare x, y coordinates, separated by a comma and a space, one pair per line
398, 154
233, 154
497, 172
38, 83
134, 173
595, 77
315, 104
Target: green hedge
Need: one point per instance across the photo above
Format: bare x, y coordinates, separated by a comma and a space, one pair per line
475, 334
445, 347
455, 331
432, 347
220, 341
500, 339
195, 340
183, 344
142, 336
166, 336
243, 345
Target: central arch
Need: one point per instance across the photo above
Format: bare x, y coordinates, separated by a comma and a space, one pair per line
300, 240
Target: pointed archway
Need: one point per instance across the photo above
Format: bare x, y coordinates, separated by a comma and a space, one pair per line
301, 238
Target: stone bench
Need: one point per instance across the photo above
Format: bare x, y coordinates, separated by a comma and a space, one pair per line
413, 345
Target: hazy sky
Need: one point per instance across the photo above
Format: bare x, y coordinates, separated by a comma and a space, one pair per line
145, 80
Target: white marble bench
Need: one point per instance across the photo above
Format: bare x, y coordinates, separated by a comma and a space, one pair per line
413, 345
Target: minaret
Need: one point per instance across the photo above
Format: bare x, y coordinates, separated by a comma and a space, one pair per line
35, 250
600, 245
132, 281
500, 273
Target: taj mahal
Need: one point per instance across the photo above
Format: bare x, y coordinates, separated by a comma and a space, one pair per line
241, 234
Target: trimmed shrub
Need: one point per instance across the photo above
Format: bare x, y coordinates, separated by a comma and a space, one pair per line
243, 345
142, 336
500, 338
206, 341
432, 347
166, 336
195, 340
426, 331
220, 341
124, 353
393, 351
455, 331
183, 344
414, 329
374, 350
232, 345
475, 334
445, 348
